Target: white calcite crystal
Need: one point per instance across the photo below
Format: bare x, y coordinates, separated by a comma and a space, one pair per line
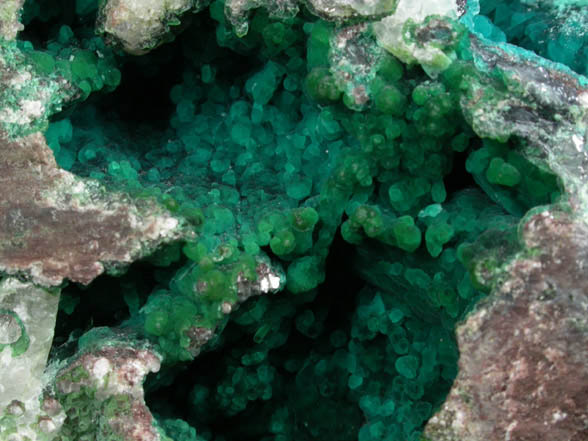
35, 310
140, 25
390, 32
338, 9
9, 18
27, 322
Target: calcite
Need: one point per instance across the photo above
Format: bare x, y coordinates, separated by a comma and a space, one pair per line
27, 321
10, 18
139, 26
238, 11
390, 33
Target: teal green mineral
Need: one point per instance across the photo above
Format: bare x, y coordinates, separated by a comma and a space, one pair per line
555, 29
349, 178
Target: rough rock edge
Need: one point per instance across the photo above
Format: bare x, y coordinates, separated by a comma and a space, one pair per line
41, 206
543, 103
523, 369
139, 27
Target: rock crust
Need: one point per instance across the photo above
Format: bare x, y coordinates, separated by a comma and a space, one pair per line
55, 226
523, 368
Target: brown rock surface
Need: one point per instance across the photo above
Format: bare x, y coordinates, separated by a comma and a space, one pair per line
523, 368
54, 225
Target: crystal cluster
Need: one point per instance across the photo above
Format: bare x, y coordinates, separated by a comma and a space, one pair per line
278, 220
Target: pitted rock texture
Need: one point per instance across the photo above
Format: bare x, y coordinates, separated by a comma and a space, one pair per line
523, 369
54, 225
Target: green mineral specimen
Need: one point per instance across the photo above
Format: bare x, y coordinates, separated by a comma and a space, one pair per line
296, 207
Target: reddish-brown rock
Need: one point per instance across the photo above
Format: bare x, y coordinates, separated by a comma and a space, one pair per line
523, 368
55, 226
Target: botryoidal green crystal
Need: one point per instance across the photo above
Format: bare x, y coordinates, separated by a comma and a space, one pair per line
343, 191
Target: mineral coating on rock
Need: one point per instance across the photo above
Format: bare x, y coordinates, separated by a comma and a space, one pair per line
28, 96
391, 33
27, 320
101, 394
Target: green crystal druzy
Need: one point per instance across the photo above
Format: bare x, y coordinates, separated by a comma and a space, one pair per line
389, 222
